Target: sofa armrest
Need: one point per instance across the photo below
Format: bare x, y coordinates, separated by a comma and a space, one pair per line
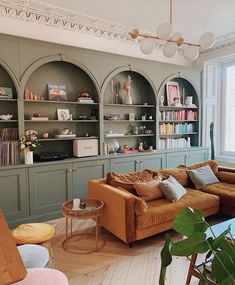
119, 209
226, 176
227, 169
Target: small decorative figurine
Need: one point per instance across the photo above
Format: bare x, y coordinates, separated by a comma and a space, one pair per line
127, 88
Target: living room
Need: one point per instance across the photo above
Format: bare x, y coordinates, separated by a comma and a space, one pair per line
88, 97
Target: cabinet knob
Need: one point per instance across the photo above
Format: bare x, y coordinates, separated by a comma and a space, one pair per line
71, 170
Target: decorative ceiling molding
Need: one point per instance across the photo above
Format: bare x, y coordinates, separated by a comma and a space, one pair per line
39, 12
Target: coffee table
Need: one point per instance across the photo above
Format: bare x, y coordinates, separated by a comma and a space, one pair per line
93, 209
217, 229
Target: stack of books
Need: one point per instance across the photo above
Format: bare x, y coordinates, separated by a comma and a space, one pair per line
38, 118
8, 134
9, 146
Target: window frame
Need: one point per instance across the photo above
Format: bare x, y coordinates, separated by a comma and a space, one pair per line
222, 112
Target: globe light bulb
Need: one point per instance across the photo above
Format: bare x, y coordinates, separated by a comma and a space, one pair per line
164, 31
207, 40
134, 30
170, 49
191, 53
147, 45
176, 36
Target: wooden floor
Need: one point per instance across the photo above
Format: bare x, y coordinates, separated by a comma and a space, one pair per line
116, 263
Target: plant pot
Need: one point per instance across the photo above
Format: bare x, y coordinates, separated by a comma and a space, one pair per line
28, 157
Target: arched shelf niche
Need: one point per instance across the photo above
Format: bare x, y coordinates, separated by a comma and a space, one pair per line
142, 88
8, 104
136, 122
187, 117
60, 71
184, 82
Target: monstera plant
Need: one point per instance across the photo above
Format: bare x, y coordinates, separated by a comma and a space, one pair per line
199, 237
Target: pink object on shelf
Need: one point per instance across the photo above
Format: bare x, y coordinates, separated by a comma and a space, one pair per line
42, 276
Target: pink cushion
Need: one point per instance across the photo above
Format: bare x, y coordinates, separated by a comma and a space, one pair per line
43, 276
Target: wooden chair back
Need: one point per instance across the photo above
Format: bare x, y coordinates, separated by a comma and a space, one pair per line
12, 268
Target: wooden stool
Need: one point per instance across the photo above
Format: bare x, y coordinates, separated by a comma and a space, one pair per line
35, 233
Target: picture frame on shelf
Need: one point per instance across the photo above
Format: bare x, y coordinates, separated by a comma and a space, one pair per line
63, 114
57, 92
173, 93
131, 116
6, 93
94, 114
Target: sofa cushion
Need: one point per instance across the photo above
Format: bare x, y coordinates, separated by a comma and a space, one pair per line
172, 189
225, 176
225, 191
212, 163
162, 210
127, 180
202, 176
149, 190
180, 174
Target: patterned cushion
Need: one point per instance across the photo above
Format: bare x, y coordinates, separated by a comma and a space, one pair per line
172, 189
149, 190
202, 176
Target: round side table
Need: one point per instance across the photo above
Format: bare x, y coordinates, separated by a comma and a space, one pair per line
93, 209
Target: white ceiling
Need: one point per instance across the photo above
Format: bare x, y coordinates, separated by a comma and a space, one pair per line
190, 17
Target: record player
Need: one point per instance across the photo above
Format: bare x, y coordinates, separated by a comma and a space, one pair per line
50, 156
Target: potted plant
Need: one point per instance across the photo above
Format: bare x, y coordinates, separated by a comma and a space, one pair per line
28, 143
199, 238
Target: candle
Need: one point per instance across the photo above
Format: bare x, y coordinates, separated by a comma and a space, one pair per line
76, 204
112, 86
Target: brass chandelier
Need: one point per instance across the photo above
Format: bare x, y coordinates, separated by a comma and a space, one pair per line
170, 42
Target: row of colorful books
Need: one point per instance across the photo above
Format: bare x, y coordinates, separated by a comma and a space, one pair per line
9, 152
174, 143
178, 115
169, 129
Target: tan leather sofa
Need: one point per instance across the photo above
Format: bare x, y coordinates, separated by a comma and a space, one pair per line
126, 218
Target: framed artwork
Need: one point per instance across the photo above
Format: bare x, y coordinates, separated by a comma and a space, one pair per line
6, 93
173, 93
57, 92
131, 116
63, 114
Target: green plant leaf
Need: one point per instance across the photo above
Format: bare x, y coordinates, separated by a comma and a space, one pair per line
218, 241
223, 268
166, 258
203, 280
229, 248
194, 244
190, 221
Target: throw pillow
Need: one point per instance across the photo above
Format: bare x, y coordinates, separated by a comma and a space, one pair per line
212, 163
172, 189
202, 176
149, 190
127, 180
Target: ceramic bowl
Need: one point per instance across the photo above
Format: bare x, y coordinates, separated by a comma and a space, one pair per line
6, 117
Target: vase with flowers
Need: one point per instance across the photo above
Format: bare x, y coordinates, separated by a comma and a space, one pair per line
28, 143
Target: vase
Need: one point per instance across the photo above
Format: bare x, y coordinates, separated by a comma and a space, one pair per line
128, 99
28, 157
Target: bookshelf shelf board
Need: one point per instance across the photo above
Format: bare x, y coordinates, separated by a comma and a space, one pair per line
132, 105
67, 139
177, 121
128, 136
8, 121
8, 100
128, 121
177, 135
60, 121
163, 108
59, 102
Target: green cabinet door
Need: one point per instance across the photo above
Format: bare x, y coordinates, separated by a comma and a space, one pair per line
197, 156
157, 161
14, 193
174, 159
85, 171
124, 164
49, 187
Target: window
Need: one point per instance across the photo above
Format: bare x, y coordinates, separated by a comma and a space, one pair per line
228, 110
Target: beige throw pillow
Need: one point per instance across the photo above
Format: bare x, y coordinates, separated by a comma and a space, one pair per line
172, 190
149, 190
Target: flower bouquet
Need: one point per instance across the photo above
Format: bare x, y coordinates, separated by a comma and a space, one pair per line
28, 143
